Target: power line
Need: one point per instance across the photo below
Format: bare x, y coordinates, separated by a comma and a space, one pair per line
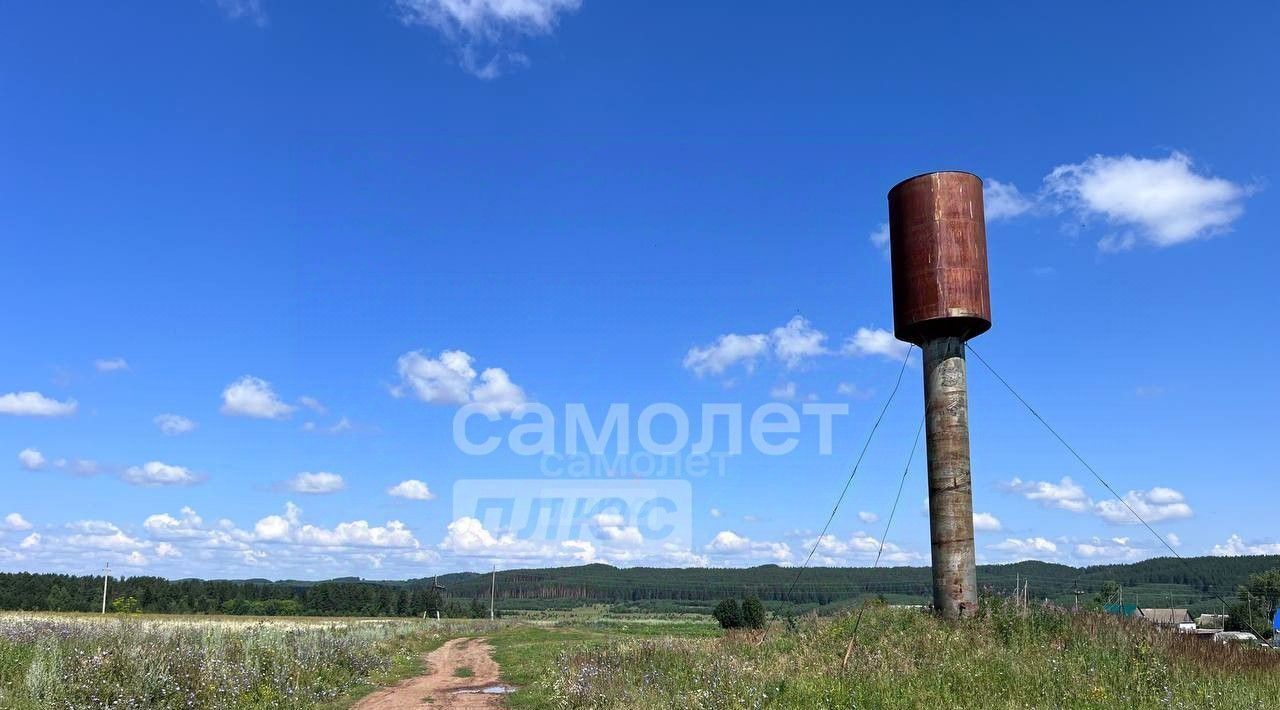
915, 445
848, 482
1092, 471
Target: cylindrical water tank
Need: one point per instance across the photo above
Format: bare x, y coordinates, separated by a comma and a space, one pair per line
938, 241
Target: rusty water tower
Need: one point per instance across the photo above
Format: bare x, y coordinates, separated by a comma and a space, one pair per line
938, 241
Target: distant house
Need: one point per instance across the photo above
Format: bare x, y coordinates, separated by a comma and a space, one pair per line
1172, 618
1212, 621
1121, 609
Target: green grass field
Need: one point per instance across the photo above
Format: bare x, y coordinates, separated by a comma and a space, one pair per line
592, 657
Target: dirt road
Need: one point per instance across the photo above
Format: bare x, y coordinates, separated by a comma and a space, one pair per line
442, 686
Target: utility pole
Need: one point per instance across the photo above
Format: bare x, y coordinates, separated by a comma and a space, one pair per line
941, 298
106, 571
493, 588
439, 589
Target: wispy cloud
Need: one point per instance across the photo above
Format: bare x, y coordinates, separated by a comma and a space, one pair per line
1002, 200
248, 10
875, 341
486, 33
31, 459
115, 364
174, 424
316, 483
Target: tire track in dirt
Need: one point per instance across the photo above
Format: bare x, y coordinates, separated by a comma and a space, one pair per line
439, 687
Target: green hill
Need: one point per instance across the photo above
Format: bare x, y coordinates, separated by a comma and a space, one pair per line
1155, 582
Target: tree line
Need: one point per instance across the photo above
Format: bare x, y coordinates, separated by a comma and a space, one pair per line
59, 592
467, 593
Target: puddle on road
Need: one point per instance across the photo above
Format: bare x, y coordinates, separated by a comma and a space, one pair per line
490, 690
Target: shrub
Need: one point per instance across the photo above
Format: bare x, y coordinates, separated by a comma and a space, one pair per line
728, 614
753, 614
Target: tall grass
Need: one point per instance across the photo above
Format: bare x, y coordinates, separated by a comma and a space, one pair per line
129, 662
1006, 658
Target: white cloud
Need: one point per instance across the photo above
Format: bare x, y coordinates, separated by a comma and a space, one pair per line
875, 341
31, 459
253, 397
848, 389
1026, 548
1157, 504
794, 345
250, 10
880, 237
412, 489
34, 404
289, 528
468, 534
319, 482
93, 527
115, 364
485, 32
283, 541
358, 533
610, 526
860, 547
715, 512
868, 517
174, 424
165, 526
1173, 540
986, 522
272, 528
15, 521
450, 379
1163, 199
342, 425
797, 341
726, 351
80, 467
497, 391
785, 391
1065, 494
1236, 546
467, 538
102, 535
1002, 200
1116, 548
313, 404
729, 543
30, 542
156, 473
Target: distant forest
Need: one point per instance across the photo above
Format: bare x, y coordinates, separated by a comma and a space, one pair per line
1158, 582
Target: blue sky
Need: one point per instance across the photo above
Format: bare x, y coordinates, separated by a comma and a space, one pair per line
284, 223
